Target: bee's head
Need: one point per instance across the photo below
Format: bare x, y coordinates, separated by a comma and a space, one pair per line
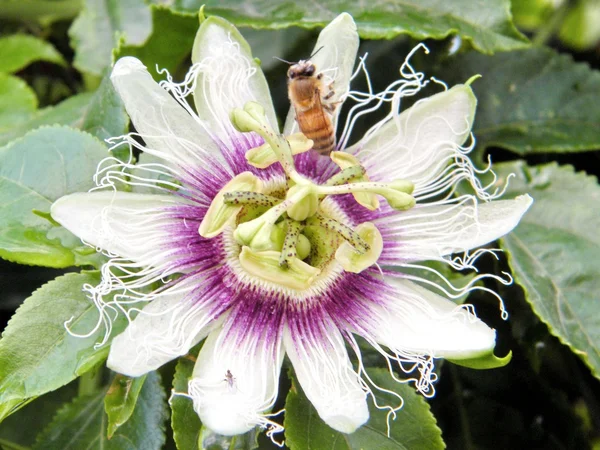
301, 69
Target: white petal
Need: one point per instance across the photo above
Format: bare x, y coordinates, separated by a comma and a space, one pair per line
327, 378
417, 144
228, 76
168, 130
129, 225
432, 231
338, 44
235, 383
414, 320
166, 327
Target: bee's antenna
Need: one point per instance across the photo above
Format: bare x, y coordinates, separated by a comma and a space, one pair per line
283, 60
317, 51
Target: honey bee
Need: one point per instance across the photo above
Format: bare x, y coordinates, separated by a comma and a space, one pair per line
305, 88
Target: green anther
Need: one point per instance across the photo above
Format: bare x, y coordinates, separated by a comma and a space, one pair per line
347, 233
399, 200
356, 262
256, 111
242, 121
345, 161
288, 250
347, 175
249, 198
263, 156
403, 186
220, 214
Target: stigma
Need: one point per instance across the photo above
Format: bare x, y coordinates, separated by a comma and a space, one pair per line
292, 234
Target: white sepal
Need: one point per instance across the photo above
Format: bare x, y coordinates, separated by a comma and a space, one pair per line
167, 327
133, 226
168, 130
415, 320
327, 377
234, 384
227, 77
418, 144
434, 231
335, 50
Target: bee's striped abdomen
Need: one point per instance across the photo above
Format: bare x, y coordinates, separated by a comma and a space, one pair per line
316, 125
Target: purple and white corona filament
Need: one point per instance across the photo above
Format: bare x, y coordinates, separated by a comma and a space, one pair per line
229, 232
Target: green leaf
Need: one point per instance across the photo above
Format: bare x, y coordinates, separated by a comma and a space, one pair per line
100, 113
531, 101
413, 428
184, 420
554, 253
20, 50
23, 426
43, 11
35, 171
489, 361
17, 102
82, 424
120, 400
105, 114
489, 28
68, 112
170, 44
96, 31
37, 354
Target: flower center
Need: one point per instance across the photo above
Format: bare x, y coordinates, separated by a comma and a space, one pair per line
292, 233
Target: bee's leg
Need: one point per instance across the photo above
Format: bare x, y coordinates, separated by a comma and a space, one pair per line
330, 92
330, 107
